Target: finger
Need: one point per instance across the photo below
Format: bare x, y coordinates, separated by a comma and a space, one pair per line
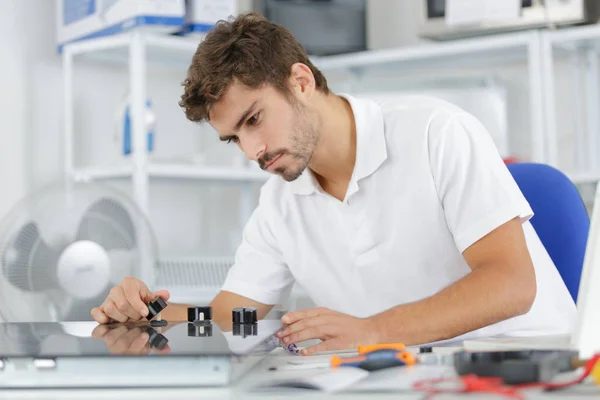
111, 337
111, 310
117, 295
124, 341
140, 344
295, 316
314, 332
300, 326
326, 345
165, 350
135, 292
163, 294
100, 331
99, 315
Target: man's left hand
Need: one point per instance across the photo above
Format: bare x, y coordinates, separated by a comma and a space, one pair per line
337, 331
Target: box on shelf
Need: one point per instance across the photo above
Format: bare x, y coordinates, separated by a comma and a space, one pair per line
202, 15
85, 19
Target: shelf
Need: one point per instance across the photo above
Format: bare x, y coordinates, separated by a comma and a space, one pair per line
177, 51
581, 37
161, 50
175, 171
483, 51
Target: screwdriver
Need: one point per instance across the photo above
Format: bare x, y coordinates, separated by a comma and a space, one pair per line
376, 357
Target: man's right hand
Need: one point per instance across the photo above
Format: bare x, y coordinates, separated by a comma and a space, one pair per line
127, 302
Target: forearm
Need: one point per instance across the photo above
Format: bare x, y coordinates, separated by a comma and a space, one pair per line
487, 295
175, 312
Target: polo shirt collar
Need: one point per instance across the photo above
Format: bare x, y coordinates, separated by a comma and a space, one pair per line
371, 150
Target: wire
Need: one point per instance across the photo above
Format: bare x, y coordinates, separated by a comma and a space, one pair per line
473, 383
467, 384
589, 366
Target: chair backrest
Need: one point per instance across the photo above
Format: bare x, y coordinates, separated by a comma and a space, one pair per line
561, 219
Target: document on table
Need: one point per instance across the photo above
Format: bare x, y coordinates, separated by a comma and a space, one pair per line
330, 381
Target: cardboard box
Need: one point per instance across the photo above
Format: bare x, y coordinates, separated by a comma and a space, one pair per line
202, 15
86, 19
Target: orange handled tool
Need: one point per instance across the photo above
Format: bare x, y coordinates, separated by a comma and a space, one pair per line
378, 358
374, 347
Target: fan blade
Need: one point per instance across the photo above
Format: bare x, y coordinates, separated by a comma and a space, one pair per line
28, 262
79, 310
109, 224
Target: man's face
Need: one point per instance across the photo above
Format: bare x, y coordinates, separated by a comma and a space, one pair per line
267, 127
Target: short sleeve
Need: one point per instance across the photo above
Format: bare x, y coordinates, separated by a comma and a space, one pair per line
259, 271
475, 188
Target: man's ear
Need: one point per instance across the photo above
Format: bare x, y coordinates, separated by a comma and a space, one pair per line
302, 80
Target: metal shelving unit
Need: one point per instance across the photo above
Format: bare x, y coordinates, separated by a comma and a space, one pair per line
141, 50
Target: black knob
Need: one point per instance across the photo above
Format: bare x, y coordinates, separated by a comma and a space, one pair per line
199, 313
156, 339
200, 330
237, 330
154, 307
237, 315
250, 330
250, 315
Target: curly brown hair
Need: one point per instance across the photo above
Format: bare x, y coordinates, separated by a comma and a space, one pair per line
249, 49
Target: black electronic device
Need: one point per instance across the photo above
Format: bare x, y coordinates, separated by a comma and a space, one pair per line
514, 367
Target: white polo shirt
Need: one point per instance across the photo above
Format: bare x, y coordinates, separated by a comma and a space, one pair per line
428, 183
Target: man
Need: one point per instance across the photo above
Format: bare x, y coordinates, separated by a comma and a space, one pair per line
400, 220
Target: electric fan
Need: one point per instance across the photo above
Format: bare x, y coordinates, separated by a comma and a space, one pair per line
64, 247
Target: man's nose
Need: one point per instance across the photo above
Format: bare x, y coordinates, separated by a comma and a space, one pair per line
254, 149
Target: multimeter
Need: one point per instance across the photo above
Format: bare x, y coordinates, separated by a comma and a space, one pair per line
515, 367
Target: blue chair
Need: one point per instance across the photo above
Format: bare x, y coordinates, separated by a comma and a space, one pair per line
561, 219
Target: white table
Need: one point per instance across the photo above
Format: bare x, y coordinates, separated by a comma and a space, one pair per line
240, 391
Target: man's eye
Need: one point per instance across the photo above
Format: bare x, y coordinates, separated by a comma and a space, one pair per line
253, 119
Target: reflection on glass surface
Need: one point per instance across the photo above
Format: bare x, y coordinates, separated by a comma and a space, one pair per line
49, 339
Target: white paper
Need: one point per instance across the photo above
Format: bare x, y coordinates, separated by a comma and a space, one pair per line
330, 382
515, 342
464, 12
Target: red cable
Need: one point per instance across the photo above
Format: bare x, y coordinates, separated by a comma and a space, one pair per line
589, 366
474, 383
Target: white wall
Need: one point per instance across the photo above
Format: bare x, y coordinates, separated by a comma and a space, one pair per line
14, 121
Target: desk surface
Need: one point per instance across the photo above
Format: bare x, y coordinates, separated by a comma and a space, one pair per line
242, 390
